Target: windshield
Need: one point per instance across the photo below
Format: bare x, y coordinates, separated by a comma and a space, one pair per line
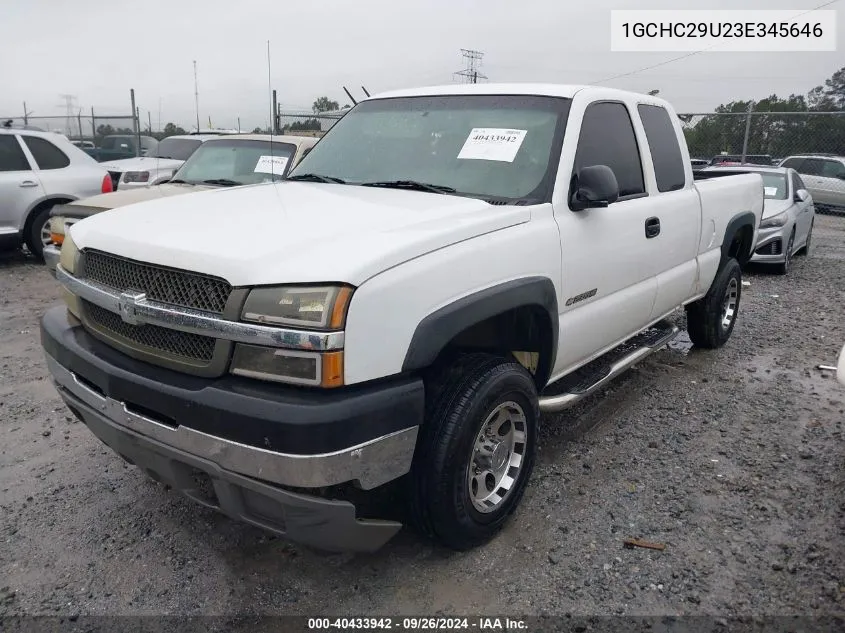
501, 147
236, 162
178, 148
774, 186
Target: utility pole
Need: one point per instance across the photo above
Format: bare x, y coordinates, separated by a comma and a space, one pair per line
26, 114
747, 131
196, 96
136, 127
470, 74
275, 114
70, 110
150, 122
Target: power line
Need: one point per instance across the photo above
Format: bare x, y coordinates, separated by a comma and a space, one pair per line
690, 54
470, 74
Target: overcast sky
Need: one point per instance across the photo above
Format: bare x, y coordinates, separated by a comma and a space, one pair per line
98, 49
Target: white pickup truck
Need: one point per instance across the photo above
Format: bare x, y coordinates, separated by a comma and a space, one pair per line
442, 267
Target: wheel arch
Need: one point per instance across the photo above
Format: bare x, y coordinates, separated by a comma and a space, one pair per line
738, 242
481, 320
45, 202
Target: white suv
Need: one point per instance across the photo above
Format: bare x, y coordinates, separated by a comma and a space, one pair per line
824, 176
39, 170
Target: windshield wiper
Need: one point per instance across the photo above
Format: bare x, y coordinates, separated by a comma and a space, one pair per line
225, 182
410, 184
317, 178
160, 157
179, 182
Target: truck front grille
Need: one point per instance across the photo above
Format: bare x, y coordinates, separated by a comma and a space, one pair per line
194, 348
115, 178
166, 285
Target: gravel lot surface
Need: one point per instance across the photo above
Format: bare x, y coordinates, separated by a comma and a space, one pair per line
734, 459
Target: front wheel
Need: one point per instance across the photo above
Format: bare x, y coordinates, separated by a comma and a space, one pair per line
38, 235
711, 319
783, 268
476, 449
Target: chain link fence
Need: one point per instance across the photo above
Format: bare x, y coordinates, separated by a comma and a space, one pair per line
91, 127
306, 123
814, 143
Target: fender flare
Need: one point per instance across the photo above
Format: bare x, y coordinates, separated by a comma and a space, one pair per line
435, 331
736, 223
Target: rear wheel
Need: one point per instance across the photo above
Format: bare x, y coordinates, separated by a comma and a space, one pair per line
476, 449
711, 319
38, 235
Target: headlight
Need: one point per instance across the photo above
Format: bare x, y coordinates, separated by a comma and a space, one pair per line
776, 220
289, 366
136, 176
57, 230
68, 257
322, 307
314, 307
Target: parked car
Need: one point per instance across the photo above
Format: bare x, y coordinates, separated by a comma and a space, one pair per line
120, 146
84, 144
158, 165
736, 159
788, 214
222, 161
37, 171
824, 175
445, 264
699, 163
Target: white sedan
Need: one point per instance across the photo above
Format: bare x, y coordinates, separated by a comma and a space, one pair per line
788, 215
157, 166
37, 171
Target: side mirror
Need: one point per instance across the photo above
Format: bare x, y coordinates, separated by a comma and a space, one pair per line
593, 186
802, 195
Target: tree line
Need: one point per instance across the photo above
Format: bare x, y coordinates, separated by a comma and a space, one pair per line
776, 135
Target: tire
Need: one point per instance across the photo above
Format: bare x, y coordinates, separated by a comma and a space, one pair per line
448, 503
783, 268
34, 235
709, 320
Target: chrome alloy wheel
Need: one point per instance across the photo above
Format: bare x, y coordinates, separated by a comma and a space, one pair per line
497, 457
729, 304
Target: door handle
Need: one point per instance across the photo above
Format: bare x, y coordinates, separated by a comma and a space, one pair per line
29, 183
652, 227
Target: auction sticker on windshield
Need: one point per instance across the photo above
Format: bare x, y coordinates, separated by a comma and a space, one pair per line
770, 191
490, 143
271, 165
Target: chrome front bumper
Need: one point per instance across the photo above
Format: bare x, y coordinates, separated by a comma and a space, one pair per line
52, 254
371, 464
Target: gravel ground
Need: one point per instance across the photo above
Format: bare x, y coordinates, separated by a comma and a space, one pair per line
731, 458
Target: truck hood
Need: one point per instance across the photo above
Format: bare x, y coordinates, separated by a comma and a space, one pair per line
291, 232
143, 163
773, 207
123, 197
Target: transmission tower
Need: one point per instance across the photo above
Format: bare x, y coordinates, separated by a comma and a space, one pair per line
70, 112
470, 74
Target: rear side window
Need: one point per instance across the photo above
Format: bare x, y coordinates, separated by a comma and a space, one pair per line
665, 150
833, 169
795, 163
12, 157
46, 155
812, 167
607, 138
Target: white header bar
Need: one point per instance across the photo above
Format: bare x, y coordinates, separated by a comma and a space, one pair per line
727, 31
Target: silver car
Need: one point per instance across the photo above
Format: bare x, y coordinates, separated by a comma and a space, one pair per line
788, 215
824, 175
37, 171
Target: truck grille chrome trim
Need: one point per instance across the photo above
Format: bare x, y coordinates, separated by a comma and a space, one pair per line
371, 464
144, 311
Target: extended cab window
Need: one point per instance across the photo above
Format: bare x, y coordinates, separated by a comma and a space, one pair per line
12, 157
46, 155
665, 150
607, 138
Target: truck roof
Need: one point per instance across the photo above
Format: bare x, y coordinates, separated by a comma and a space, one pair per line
547, 90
